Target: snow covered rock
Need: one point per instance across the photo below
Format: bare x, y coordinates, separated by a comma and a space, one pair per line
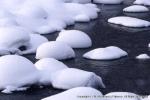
136, 8
142, 2
55, 49
143, 56
71, 78
48, 66
75, 38
11, 38
108, 53
35, 41
16, 72
122, 96
129, 21
109, 1
76, 94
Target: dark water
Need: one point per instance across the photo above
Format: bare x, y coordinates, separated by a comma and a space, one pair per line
126, 74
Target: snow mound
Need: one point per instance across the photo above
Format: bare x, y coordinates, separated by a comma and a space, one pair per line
143, 56
11, 38
129, 21
76, 94
71, 78
75, 38
122, 96
143, 2
109, 1
35, 41
108, 53
48, 66
136, 8
55, 49
45, 16
16, 72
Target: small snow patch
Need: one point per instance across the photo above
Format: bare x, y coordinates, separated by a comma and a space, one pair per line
143, 56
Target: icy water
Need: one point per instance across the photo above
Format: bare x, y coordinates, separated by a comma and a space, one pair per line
126, 74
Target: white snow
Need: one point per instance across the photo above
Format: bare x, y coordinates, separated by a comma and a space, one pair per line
78, 1
122, 96
109, 1
12, 38
45, 16
76, 94
70, 78
16, 72
129, 21
143, 2
108, 53
136, 8
48, 66
75, 38
35, 41
143, 56
55, 49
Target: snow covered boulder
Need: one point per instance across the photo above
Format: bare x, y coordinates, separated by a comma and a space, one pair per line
143, 56
142, 2
77, 94
11, 38
75, 38
109, 1
55, 49
71, 78
48, 66
129, 21
108, 53
16, 72
35, 41
122, 96
136, 8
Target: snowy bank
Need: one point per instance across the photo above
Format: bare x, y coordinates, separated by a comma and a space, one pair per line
142, 2
129, 21
143, 56
76, 94
75, 38
108, 53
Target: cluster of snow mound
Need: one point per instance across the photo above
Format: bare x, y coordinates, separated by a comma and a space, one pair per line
70, 78
109, 1
47, 67
77, 94
12, 38
75, 38
136, 8
79, 1
129, 21
45, 16
142, 2
16, 72
108, 53
143, 56
122, 96
35, 41
55, 49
